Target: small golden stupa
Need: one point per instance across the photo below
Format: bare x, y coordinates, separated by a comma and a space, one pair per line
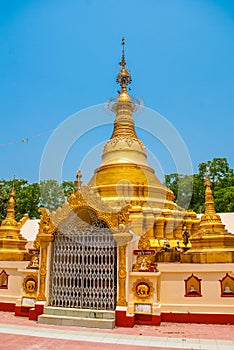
12, 244
212, 243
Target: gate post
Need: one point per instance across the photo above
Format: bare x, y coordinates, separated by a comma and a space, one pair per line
122, 239
44, 243
122, 275
43, 239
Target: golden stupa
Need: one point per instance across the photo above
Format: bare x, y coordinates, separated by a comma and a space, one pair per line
12, 244
124, 176
212, 243
124, 173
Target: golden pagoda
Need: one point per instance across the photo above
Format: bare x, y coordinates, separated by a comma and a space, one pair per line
212, 243
124, 173
12, 244
110, 244
124, 176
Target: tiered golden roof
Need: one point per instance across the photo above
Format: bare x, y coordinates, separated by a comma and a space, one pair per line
12, 244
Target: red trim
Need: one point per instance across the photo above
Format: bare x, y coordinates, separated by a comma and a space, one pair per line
36, 311
31, 313
22, 311
7, 306
148, 319
122, 320
197, 318
193, 295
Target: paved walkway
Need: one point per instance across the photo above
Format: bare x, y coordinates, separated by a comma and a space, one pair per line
18, 333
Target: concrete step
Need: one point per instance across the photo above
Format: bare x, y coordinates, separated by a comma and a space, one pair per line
76, 321
83, 313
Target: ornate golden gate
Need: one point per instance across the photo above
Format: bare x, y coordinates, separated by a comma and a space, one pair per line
83, 234
83, 265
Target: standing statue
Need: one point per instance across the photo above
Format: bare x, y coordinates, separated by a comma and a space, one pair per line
144, 265
185, 236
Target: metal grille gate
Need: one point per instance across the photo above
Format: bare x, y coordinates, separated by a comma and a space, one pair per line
83, 267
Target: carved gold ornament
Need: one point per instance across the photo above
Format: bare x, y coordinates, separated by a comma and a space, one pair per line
122, 276
30, 285
34, 262
144, 242
143, 288
143, 262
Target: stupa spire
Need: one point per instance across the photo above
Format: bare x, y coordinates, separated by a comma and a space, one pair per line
124, 145
10, 215
210, 220
12, 244
123, 79
209, 200
123, 63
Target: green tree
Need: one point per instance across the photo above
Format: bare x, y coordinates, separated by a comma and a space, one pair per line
222, 179
27, 198
68, 188
53, 194
172, 182
219, 170
28, 201
182, 187
224, 199
4, 197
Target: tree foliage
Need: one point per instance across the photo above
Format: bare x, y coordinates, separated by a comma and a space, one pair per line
27, 198
30, 197
222, 180
182, 187
189, 191
53, 194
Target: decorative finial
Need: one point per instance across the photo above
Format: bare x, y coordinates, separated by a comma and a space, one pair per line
124, 77
209, 200
12, 194
78, 175
123, 63
10, 214
207, 182
78, 181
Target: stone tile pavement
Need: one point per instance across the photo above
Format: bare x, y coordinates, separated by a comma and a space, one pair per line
18, 333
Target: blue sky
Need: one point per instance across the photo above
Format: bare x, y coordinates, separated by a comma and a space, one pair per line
58, 57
